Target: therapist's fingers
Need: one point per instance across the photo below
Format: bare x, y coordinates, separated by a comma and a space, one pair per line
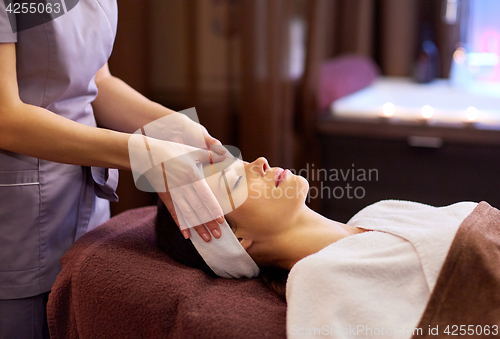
169, 204
182, 225
203, 233
167, 200
207, 156
214, 144
199, 200
190, 205
220, 150
213, 211
209, 140
200, 229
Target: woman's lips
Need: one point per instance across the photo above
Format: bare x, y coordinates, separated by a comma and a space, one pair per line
280, 175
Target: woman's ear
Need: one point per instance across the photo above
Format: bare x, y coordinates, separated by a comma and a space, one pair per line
246, 243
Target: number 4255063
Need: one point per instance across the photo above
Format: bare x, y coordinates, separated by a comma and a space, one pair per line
31, 7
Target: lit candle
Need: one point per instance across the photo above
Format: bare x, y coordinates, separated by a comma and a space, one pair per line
471, 113
388, 109
427, 111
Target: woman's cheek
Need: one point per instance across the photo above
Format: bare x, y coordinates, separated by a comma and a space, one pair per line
255, 191
289, 192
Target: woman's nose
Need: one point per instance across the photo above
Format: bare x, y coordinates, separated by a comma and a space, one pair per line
260, 166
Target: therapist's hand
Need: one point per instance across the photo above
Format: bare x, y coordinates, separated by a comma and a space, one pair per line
186, 131
178, 127
174, 171
213, 226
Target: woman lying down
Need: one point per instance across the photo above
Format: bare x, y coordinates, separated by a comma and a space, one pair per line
370, 277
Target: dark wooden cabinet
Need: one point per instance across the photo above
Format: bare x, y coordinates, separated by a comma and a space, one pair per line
441, 176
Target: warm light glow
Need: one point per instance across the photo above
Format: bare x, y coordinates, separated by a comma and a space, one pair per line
459, 55
388, 109
427, 111
471, 113
473, 68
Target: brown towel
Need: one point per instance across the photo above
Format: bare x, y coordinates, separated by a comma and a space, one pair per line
468, 288
116, 283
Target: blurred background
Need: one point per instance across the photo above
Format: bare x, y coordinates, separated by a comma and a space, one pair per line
405, 90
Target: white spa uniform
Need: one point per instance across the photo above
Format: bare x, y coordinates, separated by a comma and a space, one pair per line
374, 284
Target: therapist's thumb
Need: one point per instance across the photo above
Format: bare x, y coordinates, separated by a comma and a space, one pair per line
214, 144
207, 156
219, 149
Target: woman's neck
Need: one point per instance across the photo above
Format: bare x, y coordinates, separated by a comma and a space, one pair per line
310, 232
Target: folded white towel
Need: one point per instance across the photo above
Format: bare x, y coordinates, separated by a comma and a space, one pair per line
430, 229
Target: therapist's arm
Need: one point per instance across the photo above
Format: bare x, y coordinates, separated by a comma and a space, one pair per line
40, 133
120, 107
37, 132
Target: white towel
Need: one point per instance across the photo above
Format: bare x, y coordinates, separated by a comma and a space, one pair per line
225, 255
374, 284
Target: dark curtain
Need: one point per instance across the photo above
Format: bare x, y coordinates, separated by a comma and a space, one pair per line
266, 97
251, 67
387, 30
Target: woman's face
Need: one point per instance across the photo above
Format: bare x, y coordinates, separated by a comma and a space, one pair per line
274, 197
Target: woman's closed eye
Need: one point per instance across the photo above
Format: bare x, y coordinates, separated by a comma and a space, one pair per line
231, 179
237, 182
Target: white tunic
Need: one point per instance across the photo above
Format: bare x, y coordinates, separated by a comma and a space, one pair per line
374, 284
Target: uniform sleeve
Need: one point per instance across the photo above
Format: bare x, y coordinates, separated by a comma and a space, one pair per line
105, 182
7, 23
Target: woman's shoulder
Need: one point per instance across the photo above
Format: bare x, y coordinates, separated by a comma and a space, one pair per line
403, 211
347, 252
429, 229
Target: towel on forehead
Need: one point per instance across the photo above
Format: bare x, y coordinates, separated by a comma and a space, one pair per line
225, 255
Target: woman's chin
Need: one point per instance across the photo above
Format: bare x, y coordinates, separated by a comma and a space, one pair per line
303, 186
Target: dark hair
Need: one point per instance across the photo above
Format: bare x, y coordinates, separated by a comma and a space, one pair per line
171, 241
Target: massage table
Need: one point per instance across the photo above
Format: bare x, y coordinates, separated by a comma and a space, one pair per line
116, 283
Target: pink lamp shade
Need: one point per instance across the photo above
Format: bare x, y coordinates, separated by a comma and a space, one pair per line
345, 75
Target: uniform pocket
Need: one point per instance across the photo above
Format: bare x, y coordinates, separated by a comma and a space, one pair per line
13, 162
19, 220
